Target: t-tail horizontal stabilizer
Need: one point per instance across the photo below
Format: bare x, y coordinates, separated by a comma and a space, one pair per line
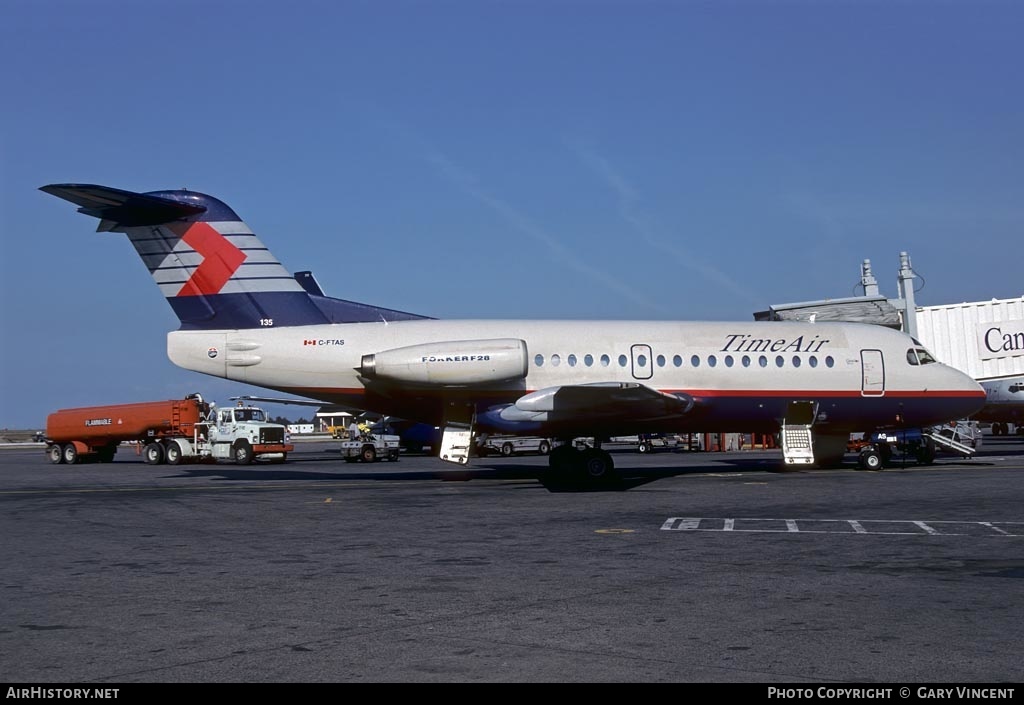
214, 272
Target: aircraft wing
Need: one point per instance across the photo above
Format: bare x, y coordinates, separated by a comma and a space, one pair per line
602, 402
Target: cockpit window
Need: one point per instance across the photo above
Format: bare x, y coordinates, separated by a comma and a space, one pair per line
919, 356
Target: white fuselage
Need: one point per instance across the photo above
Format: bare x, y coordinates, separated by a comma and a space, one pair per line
740, 374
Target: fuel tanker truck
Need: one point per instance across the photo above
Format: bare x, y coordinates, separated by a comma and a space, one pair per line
172, 432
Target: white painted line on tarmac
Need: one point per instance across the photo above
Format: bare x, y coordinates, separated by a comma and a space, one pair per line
863, 527
995, 528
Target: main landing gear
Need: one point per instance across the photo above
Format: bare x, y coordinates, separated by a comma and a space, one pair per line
581, 468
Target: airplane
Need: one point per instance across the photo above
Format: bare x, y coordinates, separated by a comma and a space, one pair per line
1004, 404
245, 317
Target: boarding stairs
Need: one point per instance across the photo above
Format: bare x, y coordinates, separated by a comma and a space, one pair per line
797, 441
960, 439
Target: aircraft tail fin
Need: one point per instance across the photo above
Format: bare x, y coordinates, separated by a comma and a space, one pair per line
214, 272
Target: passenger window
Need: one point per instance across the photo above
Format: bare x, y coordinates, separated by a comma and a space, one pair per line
813, 362
728, 360
661, 360
796, 361
571, 360
588, 359
829, 361
695, 361
623, 360
677, 361
538, 360
762, 361
641, 360
556, 360
779, 362
746, 360
605, 361
712, 360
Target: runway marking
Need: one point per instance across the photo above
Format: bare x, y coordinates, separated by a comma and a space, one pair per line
863, 527
615, 531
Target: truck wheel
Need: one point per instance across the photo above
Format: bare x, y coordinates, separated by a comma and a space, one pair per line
70, 454
153, 454
393, 456
871, 460
369, 454
55, 454
506, 449
243, 453
645, 447
173, 453
544, 448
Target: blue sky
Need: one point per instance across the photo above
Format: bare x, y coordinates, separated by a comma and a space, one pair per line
620, 160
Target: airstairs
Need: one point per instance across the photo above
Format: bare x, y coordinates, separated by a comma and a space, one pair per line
797, 441
960, 439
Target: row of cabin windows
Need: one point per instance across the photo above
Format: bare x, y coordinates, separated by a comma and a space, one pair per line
677, 361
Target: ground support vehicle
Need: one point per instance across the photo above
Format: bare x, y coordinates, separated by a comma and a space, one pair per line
513, 445
171, 431
886, 448
371, 447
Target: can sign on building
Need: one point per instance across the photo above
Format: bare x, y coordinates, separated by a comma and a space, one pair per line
1003, 339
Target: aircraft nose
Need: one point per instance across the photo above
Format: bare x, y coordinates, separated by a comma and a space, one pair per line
972, 393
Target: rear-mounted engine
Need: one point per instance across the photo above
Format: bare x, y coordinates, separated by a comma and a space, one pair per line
450, 363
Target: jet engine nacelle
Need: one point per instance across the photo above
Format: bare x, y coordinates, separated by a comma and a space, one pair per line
450, 363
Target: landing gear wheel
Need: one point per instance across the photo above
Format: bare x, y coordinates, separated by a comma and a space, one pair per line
368, 455
563, 462
871, 460
70, 454
243, 453
597, 466
153, 453
55, 454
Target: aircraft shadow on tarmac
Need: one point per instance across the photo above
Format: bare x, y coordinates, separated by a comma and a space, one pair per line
627, 478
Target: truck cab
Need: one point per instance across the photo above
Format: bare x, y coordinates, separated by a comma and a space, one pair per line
242, 433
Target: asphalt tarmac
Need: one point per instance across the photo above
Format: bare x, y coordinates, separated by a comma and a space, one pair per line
700, 567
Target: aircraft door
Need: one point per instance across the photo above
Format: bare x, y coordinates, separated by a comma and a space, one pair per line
642, 362
873, 373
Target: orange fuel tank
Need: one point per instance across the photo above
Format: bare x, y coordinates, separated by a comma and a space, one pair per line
98, 429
